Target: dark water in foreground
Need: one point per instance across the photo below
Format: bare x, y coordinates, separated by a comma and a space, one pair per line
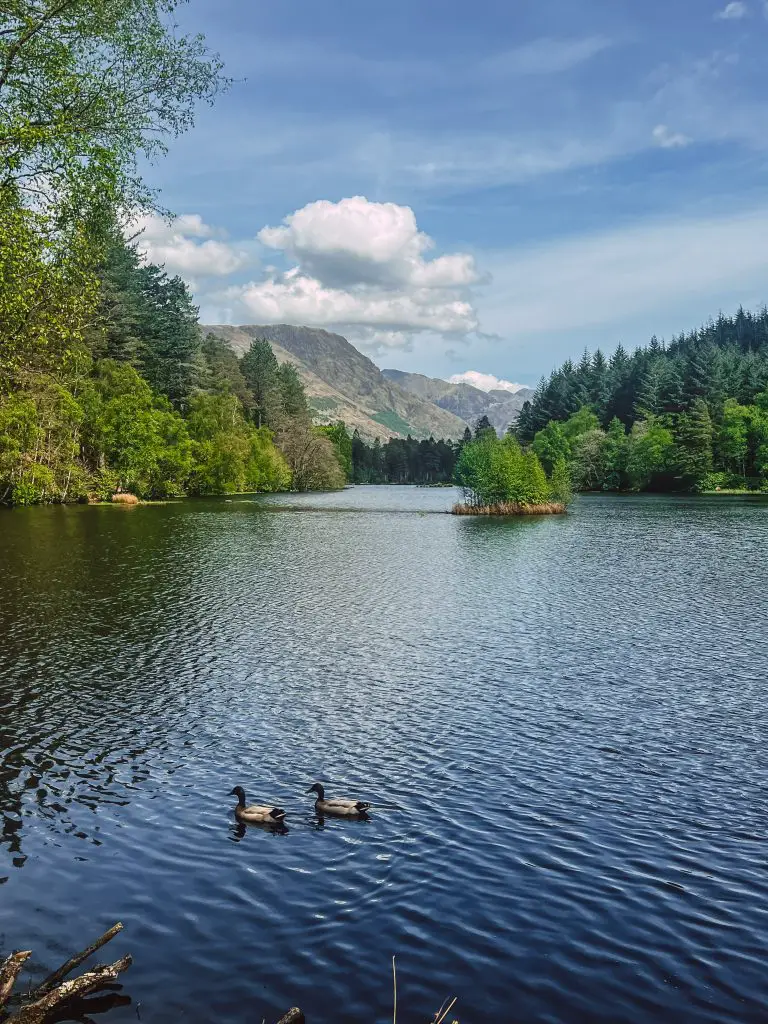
569, 711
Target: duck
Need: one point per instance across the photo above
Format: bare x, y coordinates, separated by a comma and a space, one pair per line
339, 808
256, 814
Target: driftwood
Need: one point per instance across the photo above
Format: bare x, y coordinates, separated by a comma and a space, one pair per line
46, 1001
9, 971
294, 1016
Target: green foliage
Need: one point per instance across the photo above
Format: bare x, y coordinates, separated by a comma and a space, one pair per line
561, 486
47, 291
495, 472
694, 444
261, 372
339, 437
551, 445
230, 454
87, 86
404, 461
650, 452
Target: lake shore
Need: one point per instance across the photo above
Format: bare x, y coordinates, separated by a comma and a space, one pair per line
510, 508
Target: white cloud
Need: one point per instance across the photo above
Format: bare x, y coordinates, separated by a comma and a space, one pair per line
733, 11
360, 267
612, 277
484, 381
175, 245
544, 56
664, 137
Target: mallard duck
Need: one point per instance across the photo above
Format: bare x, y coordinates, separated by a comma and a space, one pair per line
256, 814
336, 807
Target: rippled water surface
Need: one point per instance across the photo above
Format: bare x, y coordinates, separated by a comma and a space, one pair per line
567, 715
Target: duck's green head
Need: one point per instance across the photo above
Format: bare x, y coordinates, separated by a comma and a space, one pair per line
317, 788
239, 792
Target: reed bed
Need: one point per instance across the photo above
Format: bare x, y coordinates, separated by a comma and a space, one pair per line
510, 508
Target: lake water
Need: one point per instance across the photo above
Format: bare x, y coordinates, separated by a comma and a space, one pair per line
567, 713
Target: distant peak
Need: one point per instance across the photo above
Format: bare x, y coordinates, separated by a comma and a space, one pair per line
485, 381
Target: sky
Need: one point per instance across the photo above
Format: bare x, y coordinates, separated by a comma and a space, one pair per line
478, 186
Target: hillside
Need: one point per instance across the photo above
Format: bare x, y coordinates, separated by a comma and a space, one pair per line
344, 384
467, 402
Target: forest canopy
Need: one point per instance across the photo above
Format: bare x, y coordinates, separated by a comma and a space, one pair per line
688, 415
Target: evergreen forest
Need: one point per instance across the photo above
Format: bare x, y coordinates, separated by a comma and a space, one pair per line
688, 415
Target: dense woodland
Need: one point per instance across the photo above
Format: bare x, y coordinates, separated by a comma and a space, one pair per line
688, 415
106, 382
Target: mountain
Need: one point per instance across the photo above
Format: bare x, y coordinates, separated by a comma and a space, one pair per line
502, 407
343, 384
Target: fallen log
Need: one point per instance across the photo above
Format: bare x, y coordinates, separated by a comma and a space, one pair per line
9, 971
58, 976
294, 1016
40, 1010
45, 1002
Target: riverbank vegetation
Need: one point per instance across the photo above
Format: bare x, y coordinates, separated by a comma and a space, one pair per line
690, 415
499, 478
106, 382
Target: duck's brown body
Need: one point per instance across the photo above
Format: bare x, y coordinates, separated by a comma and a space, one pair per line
256, 814
338, 807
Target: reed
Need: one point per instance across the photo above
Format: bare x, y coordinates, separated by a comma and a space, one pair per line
510, 508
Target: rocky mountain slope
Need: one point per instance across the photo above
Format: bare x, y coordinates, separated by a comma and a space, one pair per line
343, 384
467, 402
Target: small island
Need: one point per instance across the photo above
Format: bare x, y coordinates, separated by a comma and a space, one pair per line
499, 478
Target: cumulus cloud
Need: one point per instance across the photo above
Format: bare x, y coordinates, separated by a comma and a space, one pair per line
185, 246
361, 267
733, 11
484, 381
664, 137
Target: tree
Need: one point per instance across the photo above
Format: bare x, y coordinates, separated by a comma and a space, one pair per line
261, 372
483, 425
561, 486
311, 458
650, 452
551, 445
230, 454
732, 440
496, 472
170, 346
133, 440
694, 444
223, 373
86, 86
589, 460
293, 398
615, 455
48, 292
339, 437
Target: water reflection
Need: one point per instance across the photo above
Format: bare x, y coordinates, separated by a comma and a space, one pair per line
482, 673
238, 830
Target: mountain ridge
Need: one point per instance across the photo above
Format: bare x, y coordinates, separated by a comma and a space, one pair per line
343, 383
501, 406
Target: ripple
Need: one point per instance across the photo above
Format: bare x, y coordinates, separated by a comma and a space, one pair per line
562, 718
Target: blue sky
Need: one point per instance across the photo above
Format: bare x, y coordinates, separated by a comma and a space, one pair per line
476, 185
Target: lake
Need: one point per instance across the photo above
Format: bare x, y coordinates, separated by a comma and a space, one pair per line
565, 717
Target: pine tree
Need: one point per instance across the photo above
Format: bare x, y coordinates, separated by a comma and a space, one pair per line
260, 370
694, 444
171, 344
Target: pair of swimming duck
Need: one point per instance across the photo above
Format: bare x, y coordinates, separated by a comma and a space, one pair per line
260, 814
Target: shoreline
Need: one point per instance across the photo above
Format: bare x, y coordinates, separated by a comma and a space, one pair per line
510, 508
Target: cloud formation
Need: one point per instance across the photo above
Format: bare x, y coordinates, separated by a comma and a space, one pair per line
484, 381
664, 137
185, 246
617, 275
733, 11
361, 267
